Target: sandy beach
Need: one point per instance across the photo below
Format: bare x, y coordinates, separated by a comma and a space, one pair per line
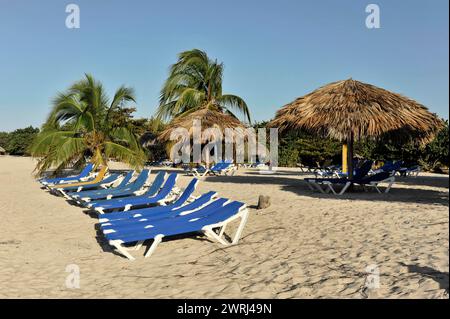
305, 245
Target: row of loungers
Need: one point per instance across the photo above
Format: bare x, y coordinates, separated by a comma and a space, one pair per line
397, 168
132, 211
362, 177
221, 168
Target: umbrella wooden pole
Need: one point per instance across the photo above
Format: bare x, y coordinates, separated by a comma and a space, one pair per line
344, 158
350, 157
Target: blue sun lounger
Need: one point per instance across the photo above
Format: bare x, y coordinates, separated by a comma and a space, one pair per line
376, 179
217, 169
85, 193
211, 220
315, 183
127, 190
149, 198
106, 182
389, 166
181, 204
137, 225
409, 171
132, 191
77, 178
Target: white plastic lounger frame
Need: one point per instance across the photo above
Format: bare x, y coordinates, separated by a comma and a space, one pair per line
198, 174
329, 187
214, 232
411, 172
389, 180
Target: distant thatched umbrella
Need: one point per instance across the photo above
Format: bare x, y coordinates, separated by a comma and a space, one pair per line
2, 151
209, 119
350, 110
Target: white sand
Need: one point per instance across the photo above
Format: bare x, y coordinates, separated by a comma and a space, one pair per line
306, 245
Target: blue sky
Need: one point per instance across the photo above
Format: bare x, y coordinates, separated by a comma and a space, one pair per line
273, 51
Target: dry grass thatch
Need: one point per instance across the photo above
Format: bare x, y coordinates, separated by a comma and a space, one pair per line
209, 119
345, 108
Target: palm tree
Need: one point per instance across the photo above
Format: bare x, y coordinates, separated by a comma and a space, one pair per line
80, 126
194, 83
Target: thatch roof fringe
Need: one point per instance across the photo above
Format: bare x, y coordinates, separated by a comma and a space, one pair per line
342, 108
209, 119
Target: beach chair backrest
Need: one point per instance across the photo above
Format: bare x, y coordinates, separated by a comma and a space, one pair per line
136, 184
142, 178
126, 179
225, 165
223, 213
377, 177
397, 165
202, 200
363, 170
188, 191
109, 179
156, 185
217, 211
204, 210
168, 185
86, 170
216, 166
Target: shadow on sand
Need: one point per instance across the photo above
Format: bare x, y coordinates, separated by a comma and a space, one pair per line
440, 277
397, 193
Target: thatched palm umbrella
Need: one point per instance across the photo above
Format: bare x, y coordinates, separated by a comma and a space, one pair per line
350, 111
209, 119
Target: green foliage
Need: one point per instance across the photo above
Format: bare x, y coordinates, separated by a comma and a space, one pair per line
195, 82
4, 138
301, 147
436, 153
304, 148
18, 141
84, 124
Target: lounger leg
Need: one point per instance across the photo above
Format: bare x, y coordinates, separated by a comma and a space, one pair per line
378, 190
121, 249
237, 236
310, 186
347, 185
153, 246
389, 186
211, 234
222, 230
330, 188
319, 188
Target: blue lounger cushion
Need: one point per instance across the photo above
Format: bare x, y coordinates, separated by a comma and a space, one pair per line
84, 173
130, 188
209, 215
122, 184
107, 180
155, 212
138, 201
